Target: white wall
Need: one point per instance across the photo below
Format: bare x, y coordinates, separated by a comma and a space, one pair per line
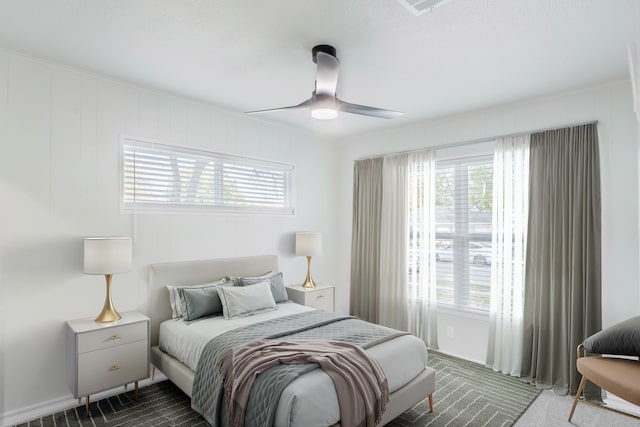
611, 105
59, 133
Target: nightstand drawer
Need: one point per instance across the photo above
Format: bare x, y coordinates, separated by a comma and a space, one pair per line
320, 299
112, 336
111, 367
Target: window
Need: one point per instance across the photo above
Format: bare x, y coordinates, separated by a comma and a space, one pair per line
463, 232
159, 177
463, 225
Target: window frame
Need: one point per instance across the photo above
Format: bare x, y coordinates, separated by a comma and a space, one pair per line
218, 183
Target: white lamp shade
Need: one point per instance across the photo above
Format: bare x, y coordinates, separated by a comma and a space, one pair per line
308, 243
107, 255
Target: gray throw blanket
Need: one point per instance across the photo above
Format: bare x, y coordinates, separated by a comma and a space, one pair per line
360, 382
208, 396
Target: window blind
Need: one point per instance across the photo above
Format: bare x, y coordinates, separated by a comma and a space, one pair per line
463, 232
157, 177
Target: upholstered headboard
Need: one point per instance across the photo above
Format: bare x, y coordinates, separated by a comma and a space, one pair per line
194, 273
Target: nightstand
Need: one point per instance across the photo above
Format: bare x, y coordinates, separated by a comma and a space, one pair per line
101, 356
322, 296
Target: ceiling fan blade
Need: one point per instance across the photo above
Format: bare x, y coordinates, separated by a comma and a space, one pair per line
303, 104
363, 110
327, 77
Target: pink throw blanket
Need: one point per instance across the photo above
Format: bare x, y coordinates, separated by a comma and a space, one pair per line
360, 382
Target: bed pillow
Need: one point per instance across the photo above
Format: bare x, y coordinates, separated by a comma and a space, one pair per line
238, 301
622, 338
238, 280
201, 301
277, 285
174, 297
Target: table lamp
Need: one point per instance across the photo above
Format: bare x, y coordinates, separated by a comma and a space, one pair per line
308, 243
107, 255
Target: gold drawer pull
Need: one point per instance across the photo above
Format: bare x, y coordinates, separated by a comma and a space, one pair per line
114, 368
115, 337
320, 296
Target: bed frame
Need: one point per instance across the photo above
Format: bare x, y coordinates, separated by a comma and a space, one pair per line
203, 271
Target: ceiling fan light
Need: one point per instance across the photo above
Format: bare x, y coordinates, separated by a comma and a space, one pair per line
323, 107
324, 113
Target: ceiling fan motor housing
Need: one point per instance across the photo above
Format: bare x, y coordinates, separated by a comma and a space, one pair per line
324, 48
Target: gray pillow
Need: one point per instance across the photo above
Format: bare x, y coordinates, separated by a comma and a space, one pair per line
622, 338
201, 301
174, 296
277, 285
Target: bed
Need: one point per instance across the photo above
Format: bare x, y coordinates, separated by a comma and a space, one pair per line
403, 358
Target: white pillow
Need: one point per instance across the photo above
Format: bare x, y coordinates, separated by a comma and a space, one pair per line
174, 297
240, 301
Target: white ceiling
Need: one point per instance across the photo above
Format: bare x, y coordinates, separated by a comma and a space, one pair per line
256, 54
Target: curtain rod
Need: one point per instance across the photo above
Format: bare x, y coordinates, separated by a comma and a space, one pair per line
474, 141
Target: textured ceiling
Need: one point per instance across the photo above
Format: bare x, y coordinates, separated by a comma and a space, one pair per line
241, 56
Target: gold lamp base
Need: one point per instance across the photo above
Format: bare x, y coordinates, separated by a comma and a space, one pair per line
108, 313
308, 281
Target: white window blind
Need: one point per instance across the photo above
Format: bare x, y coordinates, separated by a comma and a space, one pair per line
157, 177
463, 232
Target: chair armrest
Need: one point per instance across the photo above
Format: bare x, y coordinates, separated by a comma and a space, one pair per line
579, 351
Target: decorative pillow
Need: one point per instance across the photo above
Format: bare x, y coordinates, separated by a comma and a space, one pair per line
240, 301
622, 338
277, 285
174, 297
200, 301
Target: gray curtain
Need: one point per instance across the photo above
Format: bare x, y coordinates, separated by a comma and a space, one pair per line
365, 240
562, 278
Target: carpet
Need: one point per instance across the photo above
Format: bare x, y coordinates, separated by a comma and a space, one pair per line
466, 394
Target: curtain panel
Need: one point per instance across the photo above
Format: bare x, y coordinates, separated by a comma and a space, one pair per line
421, 210
563, 266
393, 309
365, 239
509, 239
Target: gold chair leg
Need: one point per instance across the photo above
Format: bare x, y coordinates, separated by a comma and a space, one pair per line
431, 402
86, 408
136, 394
153, 373
578, 393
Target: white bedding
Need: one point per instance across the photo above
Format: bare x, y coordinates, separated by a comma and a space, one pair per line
185, 341
402, 359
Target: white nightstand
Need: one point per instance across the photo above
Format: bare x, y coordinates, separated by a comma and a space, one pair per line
322, 296
101, 356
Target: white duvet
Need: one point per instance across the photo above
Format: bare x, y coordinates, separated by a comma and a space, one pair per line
401, 358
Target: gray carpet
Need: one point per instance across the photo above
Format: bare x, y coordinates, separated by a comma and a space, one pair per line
551, 410
160, 404
466, 394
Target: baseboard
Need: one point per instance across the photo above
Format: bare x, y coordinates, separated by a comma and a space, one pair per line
620, 404
479, 362
38, 410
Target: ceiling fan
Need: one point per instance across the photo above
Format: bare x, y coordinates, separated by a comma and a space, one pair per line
324, 103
